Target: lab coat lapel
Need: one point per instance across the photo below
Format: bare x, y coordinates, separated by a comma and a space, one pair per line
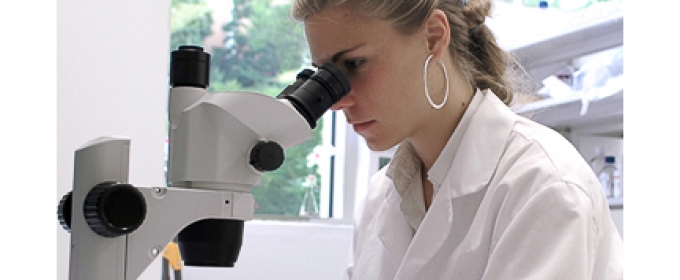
454, 207
393, 231
440, 236
428, 240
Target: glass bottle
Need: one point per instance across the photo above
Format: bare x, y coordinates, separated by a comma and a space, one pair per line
609, 176
310, 207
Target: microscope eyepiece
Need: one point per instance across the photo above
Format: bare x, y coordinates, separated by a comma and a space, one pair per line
190, 67
313, 95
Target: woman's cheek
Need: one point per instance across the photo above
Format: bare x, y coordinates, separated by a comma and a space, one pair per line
372, 80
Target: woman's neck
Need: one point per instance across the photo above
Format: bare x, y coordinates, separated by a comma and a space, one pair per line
433, 136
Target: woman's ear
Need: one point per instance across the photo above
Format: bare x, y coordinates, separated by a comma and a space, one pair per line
438, 33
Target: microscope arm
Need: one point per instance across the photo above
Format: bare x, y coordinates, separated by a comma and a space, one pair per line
167, 211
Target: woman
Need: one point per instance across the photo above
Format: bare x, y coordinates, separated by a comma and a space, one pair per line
473, 191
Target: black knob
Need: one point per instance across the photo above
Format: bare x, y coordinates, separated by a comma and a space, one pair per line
113, 209
266, 156
64, 211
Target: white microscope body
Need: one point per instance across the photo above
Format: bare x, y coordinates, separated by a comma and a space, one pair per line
219, 145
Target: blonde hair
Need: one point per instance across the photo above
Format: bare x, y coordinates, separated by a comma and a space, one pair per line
473, 44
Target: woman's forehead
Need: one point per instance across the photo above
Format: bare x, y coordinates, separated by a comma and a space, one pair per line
341, 23
339, 15
334, 29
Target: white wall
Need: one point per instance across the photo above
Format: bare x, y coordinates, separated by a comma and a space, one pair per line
28, 137
112, 65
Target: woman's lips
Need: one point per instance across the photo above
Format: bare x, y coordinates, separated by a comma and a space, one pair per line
362, 126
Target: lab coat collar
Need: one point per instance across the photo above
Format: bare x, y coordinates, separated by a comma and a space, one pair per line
404, 170
481, 147
442, 165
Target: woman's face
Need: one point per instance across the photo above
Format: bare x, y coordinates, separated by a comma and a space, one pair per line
387, 103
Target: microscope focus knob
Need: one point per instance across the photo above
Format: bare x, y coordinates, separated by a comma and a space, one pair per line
266, 156
64, 211
113, 209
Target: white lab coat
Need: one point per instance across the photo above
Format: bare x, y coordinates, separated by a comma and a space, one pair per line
519, 202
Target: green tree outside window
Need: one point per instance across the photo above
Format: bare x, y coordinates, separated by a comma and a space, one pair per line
262, 52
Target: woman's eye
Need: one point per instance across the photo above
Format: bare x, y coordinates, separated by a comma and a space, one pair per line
353, 64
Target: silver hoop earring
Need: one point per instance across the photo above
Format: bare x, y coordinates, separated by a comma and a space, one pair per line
427, 92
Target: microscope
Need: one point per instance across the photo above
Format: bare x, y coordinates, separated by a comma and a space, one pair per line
219, 146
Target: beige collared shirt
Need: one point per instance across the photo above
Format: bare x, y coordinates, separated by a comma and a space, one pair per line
405, 168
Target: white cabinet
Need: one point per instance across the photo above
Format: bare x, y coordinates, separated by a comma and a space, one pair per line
565, 113
547, 56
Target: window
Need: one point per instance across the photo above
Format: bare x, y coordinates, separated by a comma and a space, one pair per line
256, 46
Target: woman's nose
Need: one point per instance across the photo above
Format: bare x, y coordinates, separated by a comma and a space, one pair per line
344, 102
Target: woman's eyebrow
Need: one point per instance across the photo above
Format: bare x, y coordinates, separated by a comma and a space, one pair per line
339, 54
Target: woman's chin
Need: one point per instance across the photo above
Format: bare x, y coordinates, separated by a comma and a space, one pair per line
379, 146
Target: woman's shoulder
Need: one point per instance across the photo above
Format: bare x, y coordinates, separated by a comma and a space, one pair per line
534, 143
537, 157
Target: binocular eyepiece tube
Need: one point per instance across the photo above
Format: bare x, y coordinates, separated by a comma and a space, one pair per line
314, 93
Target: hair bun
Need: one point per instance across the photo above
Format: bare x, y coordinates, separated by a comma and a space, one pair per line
476, 11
